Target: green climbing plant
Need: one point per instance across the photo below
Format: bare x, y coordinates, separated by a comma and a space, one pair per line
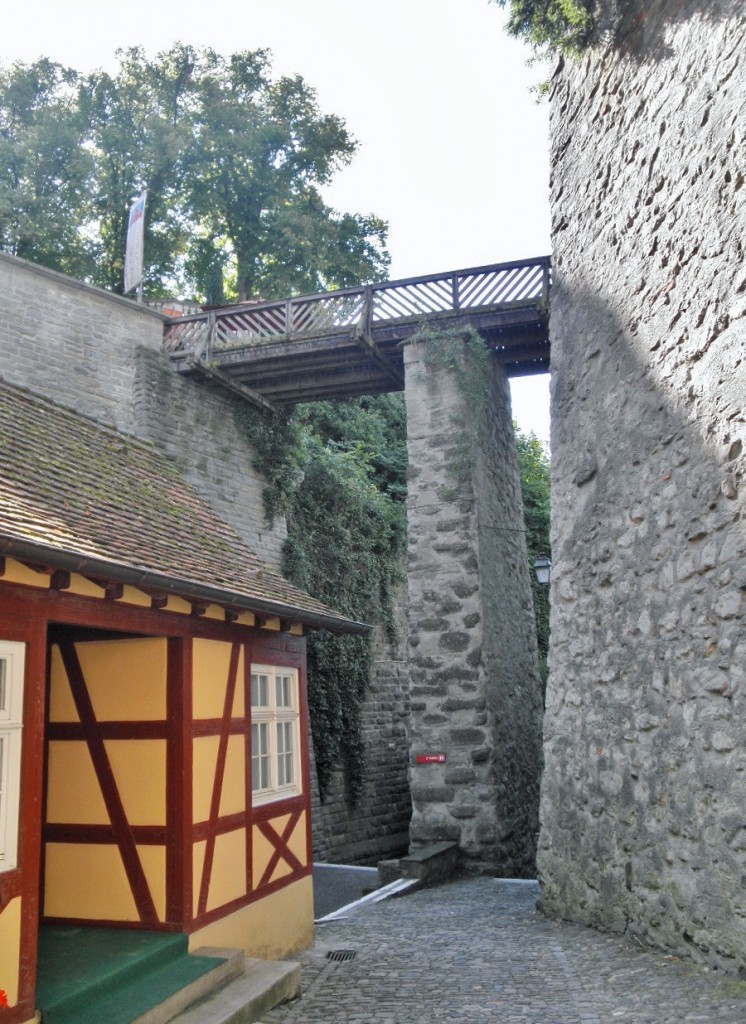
337, 471
465, 356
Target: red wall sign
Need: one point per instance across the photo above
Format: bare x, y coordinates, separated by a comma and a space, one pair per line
430, 759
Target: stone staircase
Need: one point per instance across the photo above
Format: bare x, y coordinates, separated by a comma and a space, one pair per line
91, 976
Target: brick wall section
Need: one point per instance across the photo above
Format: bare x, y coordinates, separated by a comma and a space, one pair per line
101, 355
377, 827
72, 343
473, 669
643, 798
200, 426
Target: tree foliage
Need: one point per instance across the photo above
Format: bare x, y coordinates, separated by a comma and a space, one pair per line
234, 162
44, 168
533, 464
338, 472
565, 26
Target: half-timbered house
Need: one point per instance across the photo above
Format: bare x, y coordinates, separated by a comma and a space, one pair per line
154, 770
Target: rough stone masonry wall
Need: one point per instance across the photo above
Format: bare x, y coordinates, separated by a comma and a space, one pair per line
473, 667
644, 795
377, 826
101, 355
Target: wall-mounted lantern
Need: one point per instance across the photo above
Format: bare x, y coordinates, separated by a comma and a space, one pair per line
543, 569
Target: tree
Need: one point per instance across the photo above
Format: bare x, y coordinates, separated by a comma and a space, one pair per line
233, 161
45, 169
533, 465
563, 25
139, 125
262, 150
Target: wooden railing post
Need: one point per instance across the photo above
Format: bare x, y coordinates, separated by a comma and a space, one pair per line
212, 326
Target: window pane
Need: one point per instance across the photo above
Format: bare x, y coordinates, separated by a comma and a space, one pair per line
3, 685
259, 690
259, 756
284, 753
284, 692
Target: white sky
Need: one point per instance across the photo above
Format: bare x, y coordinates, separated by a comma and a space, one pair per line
453, 146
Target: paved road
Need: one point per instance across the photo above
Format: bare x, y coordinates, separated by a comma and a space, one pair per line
475, 951
336, 885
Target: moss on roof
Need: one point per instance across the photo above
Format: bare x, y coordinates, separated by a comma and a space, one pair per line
73, 486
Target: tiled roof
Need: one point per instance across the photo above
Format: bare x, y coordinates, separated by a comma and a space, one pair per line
96, 498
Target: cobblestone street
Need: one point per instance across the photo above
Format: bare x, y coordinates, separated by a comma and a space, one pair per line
476, 950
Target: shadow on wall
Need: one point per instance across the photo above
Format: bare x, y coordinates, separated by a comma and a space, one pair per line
636, 27
643, 791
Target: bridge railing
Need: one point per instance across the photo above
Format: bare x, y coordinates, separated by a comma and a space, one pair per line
361, 309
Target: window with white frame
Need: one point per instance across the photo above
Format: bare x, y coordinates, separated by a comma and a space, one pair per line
275, 733
11, 715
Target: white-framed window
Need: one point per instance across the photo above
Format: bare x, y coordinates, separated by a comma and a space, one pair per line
275, 733
11, 715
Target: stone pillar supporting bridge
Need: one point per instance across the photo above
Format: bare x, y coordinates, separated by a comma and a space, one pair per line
475, 729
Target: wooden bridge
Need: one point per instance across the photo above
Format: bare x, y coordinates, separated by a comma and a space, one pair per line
346, 343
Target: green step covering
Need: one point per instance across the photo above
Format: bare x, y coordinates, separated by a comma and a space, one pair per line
111, 975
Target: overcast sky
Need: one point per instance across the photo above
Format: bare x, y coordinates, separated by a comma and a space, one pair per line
453, 148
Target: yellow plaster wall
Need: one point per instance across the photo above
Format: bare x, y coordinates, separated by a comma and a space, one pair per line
61, 704
179, 605
127, 681
233, 795
271, 928
139, 768
16, 572
10, 949
73, 792
84, 587
298, 840
228, 876
262, 849
131, 595
198, 860
126, 678
87, 881
210, 665
153, 860
204, 759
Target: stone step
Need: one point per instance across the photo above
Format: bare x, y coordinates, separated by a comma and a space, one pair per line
135, 978
262, 985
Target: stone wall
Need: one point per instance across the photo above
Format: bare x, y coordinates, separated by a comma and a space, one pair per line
377, 826
473, 668
643, 821
101, 355
72, 343
200, 427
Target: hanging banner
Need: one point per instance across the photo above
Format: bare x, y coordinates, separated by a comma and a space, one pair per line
133, 258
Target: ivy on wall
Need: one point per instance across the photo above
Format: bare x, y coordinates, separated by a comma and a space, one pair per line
338, 473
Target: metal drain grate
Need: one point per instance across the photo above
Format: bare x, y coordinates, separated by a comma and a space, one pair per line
341, 956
